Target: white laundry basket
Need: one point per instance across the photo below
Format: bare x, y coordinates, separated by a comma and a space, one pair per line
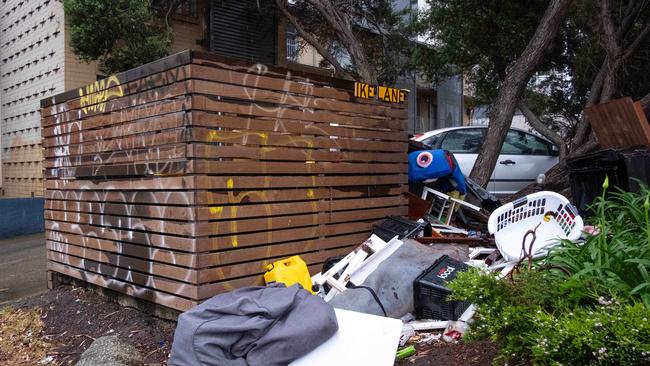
557, 219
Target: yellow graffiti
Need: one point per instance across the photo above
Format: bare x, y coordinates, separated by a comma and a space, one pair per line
213, 136
280, 139
94, 96
234, 200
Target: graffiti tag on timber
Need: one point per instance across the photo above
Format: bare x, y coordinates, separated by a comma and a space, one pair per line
93, 97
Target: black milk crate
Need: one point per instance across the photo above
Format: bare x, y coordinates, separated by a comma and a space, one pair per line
430, 291
399, 226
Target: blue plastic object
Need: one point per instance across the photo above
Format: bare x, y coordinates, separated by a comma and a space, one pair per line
437, 164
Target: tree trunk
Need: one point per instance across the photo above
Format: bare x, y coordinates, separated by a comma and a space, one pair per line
540, 127
583, 130
512, 88
605, 84
602, 88
340, 23
645, 104
340, 71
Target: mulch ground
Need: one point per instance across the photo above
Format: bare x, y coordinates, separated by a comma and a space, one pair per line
465, 354
72, 317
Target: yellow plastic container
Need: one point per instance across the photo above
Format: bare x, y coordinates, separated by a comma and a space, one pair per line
289, 271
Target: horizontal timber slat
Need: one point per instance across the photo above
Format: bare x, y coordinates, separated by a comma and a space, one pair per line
142, 251
141, 292
214, 212
204, 197
223, 223
124, 274
59, 231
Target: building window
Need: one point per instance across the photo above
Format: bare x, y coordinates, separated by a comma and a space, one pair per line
244, 29
186, 10
292, 43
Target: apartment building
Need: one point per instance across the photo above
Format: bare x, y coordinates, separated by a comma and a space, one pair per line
36, 61
32, 62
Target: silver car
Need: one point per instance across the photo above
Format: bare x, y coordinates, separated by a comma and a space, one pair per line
524, 157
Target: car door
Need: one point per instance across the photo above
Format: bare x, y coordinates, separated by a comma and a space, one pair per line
464, 143
523, 157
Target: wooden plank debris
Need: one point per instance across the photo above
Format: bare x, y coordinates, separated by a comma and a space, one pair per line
619, 124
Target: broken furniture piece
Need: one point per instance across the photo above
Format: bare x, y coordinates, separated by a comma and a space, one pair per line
417, 206
356, 266
619, 123
361, 262
483, 257
444, 206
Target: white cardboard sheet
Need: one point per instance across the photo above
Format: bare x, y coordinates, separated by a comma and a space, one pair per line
362, 339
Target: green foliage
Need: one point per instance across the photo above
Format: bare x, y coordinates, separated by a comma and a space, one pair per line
618, 258
585, 304
382, 32
609, 334
542, 318
121, 34
484, 38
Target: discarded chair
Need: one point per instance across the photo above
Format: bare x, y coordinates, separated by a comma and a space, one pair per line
356, 266
442, 210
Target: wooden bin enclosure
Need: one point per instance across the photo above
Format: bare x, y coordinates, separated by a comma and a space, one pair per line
185, 177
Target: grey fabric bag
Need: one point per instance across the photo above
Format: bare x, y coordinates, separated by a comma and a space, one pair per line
253, 326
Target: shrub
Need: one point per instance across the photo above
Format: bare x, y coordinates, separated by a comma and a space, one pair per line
618, 258
543, 318
585, 304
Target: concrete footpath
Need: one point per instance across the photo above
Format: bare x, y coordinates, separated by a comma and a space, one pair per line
22, 266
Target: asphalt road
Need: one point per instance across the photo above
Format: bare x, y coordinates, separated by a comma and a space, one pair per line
22, 267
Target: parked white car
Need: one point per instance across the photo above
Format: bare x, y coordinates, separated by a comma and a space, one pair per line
523, 156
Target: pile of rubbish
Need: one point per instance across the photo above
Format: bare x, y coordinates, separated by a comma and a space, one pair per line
371, 306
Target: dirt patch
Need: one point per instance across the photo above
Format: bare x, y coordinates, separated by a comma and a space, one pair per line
73, 317
22, 339
466, 354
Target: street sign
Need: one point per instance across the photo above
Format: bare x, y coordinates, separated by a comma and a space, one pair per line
384, 93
